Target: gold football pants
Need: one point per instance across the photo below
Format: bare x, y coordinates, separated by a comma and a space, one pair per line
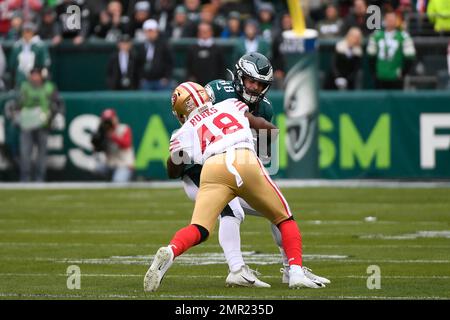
218, 186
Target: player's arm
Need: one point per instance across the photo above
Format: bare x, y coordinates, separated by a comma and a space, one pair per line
174, 171
259, 122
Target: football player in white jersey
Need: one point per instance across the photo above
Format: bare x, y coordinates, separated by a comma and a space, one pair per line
219, 138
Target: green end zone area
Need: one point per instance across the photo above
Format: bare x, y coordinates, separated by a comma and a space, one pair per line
111, 235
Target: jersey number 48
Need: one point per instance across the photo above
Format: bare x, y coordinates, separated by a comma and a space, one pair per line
224, 121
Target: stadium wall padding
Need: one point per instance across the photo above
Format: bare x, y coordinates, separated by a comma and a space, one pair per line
365, 134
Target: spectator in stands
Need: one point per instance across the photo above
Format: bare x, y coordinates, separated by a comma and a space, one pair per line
346, 62
357, 18
266, 15
48, 27
233, 28
315, 9
29, 8
207, 15
331, 26
225, 7
403, 10
179, 25
94, 8
123, 69
391, 54
38, 103
439, 13
164, 10
115, 140
112, 23
78, 36
27, 53
2, 68
15, 29
421, 6
251, 42
277, 57
205, 61
140, 15
6, 13
155, 59
448, 65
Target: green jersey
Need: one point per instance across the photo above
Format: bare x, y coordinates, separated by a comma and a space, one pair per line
218, 91
391, 49
24, 56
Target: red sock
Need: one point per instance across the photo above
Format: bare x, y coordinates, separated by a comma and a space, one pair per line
184, 239
292, 241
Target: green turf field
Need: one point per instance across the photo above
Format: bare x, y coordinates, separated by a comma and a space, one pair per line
112, 234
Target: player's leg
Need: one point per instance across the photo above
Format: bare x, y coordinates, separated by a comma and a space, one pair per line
263, 195
276, 235
229, 228
229, 238
214, 193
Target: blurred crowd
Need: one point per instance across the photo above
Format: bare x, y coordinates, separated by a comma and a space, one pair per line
143, 29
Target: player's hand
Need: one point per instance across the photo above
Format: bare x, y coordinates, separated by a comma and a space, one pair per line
175, 146
176, 151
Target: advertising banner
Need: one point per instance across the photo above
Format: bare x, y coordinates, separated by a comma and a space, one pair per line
364, 134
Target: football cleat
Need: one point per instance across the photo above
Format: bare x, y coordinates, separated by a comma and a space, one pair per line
298, 279
245, 277
161, 263
313, 277
308, 274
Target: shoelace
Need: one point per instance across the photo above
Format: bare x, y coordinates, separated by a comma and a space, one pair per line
283, 270
254, 272
306, 269
309, 274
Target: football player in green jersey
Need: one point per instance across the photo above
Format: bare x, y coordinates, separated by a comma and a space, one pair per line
253, 76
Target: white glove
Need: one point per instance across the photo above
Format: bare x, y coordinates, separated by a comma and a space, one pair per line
175, 146
180, 149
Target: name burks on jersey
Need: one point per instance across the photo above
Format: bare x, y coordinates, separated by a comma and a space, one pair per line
198, 117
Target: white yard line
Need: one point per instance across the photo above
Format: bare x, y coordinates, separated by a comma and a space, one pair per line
118, 275
148, 245
283, 183
185, 221
217, 258
156, 245
87, 231
82, 244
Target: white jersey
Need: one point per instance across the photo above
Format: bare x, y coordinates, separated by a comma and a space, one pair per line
212, 129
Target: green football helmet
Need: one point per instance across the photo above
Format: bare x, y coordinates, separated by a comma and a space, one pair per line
254, 66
